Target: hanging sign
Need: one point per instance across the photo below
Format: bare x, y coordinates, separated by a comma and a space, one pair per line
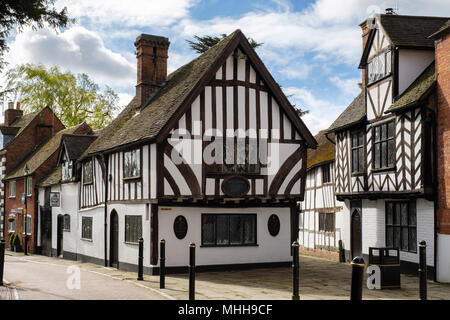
55, 199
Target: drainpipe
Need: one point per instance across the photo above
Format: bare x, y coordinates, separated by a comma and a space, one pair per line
105, 199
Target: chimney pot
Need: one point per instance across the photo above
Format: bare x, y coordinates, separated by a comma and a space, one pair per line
151, 54
11, 105
18, 105
389, 11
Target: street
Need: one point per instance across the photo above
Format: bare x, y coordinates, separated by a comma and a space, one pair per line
27, 279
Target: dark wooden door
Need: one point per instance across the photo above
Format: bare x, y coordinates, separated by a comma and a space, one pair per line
46, 230
59, 236
114, 240
356, 233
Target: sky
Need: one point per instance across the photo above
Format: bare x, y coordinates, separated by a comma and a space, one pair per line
312, 48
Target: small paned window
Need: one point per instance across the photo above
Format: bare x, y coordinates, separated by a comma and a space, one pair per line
326, 175
133, 228
132, 163
384, 146
12, 189
327, 222
88, 173
228, 229
357, 152
401, 225
86, 228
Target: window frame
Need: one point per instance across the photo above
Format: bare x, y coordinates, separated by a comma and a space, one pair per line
234, 168
324, 225
411, 209
28, 224
12, 183
376, 61
243, 244
125, 177
328, 167
67, 166
66, 222
357, 148
126, 230
381, 142
91, 181
29, 190
83, 235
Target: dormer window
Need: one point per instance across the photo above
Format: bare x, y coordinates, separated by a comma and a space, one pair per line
379, 67
132, 163
66, 170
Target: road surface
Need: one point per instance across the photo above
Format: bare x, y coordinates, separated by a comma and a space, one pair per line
29, 280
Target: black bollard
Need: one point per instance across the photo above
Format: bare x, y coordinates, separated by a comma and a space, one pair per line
358, 266
162, 264
141, 260
192, 271
295, 272
2, 260
423, 270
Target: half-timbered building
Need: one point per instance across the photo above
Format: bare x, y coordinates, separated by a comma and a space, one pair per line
385, 142
212, 154
58, 199
320, 221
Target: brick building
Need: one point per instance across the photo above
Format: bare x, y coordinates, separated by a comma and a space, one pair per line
31, 168
19, 135
442, 45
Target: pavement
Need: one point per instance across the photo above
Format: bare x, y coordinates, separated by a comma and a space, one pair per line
40, 277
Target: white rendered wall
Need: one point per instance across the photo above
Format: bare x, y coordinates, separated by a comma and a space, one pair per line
269, 249
95, 247
411, 64
443, 258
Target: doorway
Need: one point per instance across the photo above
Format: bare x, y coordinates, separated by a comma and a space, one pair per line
59, 235
114, 240
356, 233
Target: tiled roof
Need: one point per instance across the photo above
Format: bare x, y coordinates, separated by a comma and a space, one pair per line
353, 114
51, 179
411, 31
324, 151
42, 153
136, 124
445, 27
77, 144
417, 90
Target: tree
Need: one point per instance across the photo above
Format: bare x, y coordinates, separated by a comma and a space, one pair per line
201, 44
32, 13
73, 98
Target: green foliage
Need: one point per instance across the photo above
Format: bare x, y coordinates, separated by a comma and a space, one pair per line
32, 13
16, 241
11, 238
73, 98
202, 44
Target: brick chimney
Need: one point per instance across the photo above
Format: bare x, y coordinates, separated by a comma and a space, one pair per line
152, 54
366, 26
12, 114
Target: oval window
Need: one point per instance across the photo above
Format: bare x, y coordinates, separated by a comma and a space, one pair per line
235, 186
180, 227
273, 225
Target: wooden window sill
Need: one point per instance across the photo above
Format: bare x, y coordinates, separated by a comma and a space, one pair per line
132, 178
382, 170
88, 240
132, 243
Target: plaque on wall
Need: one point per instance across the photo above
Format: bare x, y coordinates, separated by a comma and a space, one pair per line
273, 225
55, 199
235, 186
180, 227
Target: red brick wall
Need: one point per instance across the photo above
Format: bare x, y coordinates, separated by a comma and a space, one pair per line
443, 133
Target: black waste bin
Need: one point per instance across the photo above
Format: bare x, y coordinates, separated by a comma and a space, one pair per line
388, 260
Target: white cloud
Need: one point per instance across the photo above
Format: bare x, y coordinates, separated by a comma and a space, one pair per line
144, 13
348, 86
297, 70
76, 49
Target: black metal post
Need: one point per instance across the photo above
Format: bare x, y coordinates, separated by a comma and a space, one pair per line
295, 273
358, 266
423, 270
25, 249
192, 271
141, 260
2, 260
162, 264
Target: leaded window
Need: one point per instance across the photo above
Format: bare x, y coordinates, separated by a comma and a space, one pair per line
228, 229
379, 67
327, 222
133, 228
86, 228
357, 152
241, 155
66, 170
132, 163
66, 222
401, 225
88, 172
384, 145
326, 174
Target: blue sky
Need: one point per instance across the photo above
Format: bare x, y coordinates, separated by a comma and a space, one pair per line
312, 48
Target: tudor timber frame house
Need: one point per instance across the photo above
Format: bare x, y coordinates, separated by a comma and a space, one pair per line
213, 154
385, 142
321, 222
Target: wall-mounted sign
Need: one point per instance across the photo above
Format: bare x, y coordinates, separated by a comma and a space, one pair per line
55, 199
235, 186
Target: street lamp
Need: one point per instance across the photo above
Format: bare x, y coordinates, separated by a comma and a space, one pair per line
25, 171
